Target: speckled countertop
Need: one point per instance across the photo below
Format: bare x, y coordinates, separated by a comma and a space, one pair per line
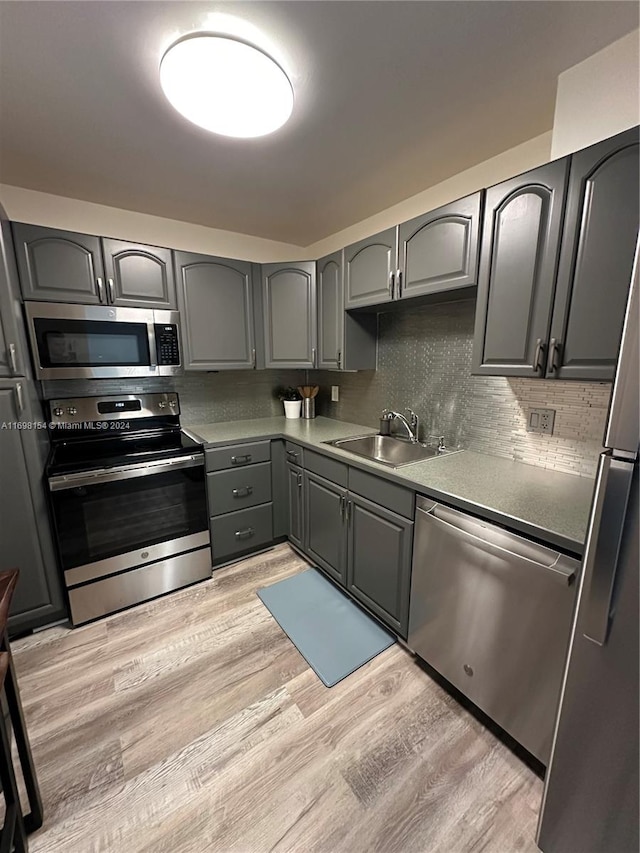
548, 505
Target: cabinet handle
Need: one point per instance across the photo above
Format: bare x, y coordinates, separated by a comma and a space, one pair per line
399, 288
253, 358
538, 358
348, 511
554, 355
247, 533
112, 297
292, 455
100, 284
19, 398
339, 359
13, 360
343, 502
241, 460
299, 480
392, 281
313, 356
242, 492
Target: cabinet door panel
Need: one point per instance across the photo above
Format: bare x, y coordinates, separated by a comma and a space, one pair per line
216, 312
330, 312
368, 267
24, 527
518, 261
325, 531
600, 232
289, 296
296, 505
139, 275
379, 561
58, 266
439, 250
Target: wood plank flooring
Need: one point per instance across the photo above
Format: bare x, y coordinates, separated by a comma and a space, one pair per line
192, 724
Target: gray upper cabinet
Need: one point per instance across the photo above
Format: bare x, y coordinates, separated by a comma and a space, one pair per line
345, 341
289, 307
518, 262
138, 275
14, 358
59, 266
370, 269
325, 505
379, 561
25, 538
599, 240
215, 298
439, 250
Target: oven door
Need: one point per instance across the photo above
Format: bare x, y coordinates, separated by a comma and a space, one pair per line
91, 342
112, 520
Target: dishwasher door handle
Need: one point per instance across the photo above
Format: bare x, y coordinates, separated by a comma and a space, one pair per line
563, 574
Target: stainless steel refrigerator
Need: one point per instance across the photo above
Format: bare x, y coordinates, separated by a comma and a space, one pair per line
590, 802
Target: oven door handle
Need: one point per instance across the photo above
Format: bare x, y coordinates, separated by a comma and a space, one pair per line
123, 472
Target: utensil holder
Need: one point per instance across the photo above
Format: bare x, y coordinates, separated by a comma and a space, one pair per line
309, 408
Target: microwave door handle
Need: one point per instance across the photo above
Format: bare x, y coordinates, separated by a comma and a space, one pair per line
153, 355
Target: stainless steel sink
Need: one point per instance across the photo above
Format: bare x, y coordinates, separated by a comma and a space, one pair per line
387, 450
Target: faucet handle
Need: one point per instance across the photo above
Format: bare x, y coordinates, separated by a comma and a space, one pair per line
413, 417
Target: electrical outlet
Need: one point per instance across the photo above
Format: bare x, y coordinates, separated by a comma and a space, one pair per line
335, 393
541, 420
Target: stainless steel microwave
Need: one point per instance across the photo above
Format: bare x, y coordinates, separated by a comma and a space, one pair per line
102, 342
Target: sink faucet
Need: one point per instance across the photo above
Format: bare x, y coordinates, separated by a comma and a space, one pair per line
410, 424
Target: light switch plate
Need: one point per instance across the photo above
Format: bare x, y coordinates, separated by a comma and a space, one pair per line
335, 393
541, 420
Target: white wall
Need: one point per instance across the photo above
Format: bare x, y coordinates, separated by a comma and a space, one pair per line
599, 97
512, 162
70, 214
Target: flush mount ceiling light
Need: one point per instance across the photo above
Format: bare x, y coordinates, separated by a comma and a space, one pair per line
225, 85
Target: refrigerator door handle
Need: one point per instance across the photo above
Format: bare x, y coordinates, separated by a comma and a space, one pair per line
603, 545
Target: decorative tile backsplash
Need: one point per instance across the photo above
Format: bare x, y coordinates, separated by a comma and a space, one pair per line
424, 361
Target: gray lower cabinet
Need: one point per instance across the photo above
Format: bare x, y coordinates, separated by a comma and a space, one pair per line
289, 307
345, 341
596, 257
215, 297
295, 495
325, 507
518, 261
25, 533
380, 545
438, 251
138, 276
370, 269
59, 266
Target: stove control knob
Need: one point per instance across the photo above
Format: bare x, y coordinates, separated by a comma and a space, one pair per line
72, 410
172, 403
162, 404
58, 412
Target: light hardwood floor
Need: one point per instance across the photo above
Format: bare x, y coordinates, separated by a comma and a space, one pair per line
192, 724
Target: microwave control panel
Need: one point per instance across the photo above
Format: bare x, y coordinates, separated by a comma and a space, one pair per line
167, 349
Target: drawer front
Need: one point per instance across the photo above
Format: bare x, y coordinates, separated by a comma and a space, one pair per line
294, 453
228, 491
389, 495
241, 531
237, 455
330, 469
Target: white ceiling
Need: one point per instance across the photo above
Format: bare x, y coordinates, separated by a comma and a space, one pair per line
391, 98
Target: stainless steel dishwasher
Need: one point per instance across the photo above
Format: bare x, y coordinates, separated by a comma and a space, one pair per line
491, 612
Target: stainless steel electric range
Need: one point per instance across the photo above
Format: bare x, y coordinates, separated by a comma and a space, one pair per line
128, 498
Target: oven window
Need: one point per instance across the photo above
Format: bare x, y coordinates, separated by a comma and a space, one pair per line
91, 343
104, 520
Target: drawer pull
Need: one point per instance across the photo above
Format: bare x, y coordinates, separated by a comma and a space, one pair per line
292, 455
241, 460
247, 533
242, 492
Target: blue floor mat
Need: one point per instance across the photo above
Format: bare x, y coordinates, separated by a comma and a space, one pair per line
332, 633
